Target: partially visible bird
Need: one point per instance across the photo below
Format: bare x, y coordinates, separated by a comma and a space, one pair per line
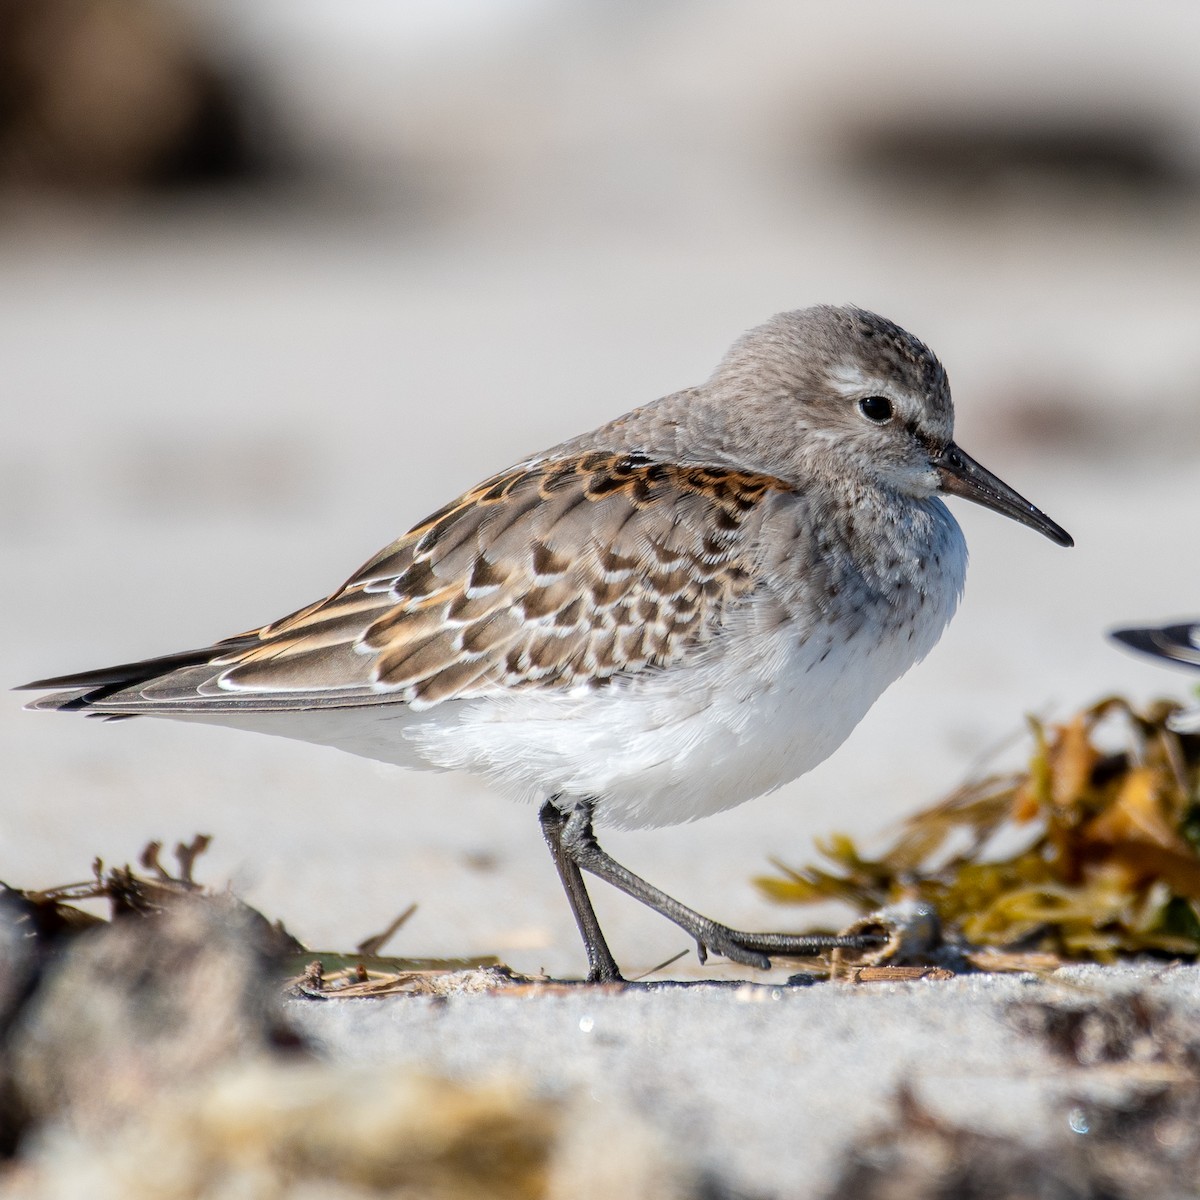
651, 622
1178, 643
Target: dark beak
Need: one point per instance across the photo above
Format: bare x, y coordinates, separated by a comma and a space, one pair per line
962, 476
1179, 643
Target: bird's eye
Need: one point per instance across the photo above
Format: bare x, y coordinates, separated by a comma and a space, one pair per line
876, 408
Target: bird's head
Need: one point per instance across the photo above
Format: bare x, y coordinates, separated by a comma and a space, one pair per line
864, 395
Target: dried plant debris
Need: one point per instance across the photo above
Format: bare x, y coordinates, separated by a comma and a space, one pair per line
1130, 1030
408, 977
1127, 1124
1132, 1094
1123, 1149
1107, 857
149, 893
367, 972
48, 918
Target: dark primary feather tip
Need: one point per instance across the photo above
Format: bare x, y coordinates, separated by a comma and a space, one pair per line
82, 689
127, 674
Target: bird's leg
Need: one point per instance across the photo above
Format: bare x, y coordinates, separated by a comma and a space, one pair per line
602, 967
751, 949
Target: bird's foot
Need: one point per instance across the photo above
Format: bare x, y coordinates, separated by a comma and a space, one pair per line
758, 949
720, 939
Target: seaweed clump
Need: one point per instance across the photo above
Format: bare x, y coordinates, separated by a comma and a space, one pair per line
1087, 853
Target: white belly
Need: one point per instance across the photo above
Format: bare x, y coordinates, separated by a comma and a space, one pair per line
661, 749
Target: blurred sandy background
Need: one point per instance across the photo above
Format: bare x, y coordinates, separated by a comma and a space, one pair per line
278, 280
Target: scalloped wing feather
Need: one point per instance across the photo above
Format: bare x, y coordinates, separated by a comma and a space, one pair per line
558, 575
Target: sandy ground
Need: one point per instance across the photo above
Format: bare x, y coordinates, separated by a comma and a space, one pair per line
773, 1091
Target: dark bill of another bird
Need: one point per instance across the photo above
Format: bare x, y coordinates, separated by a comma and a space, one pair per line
1177, 643
962, 476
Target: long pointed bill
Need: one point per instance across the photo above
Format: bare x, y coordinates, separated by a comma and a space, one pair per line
962, 476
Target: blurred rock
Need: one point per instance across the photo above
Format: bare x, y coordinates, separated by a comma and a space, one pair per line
18, 955
976, 158
115, 95
142, 1008
19, 967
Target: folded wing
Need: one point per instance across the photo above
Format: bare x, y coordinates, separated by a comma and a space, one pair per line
558, 575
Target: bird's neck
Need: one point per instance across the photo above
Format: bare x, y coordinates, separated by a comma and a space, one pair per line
896, 542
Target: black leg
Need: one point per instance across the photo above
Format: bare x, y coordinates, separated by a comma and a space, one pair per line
751, 949
602, 967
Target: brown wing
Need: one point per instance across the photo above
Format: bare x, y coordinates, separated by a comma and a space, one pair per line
551, 576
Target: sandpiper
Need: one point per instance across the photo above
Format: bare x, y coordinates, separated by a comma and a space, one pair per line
649, 623
1176, 643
